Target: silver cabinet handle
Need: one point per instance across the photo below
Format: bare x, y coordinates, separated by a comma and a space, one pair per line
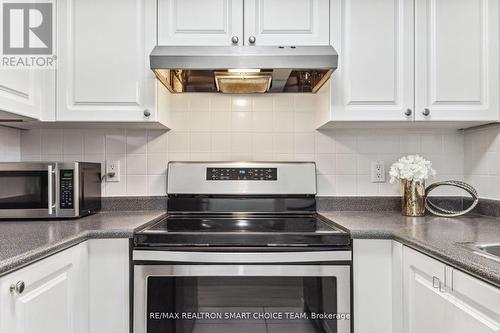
147, 113
51, 172
18, 287
436, 283
426, 112
408, 112
235, 39
252, 39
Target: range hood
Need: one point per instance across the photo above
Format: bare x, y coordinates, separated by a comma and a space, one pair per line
243, 69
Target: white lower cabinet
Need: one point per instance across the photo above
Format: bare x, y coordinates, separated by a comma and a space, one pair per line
440, 299
84, 289
45, 297
377, 286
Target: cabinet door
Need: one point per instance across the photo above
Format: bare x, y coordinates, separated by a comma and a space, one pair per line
287, 22
476, 307
427, 308
374, 80
26, 92
200, 22
457, 60
103, 72
49, 301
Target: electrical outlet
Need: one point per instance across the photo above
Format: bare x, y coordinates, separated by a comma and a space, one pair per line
112, 171
378, 172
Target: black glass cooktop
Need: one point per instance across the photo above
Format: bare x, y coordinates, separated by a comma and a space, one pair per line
241, 230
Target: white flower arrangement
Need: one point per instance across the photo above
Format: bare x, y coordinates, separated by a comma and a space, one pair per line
411, 167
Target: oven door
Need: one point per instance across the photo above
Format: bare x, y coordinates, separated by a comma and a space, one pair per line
202, 292
27, 190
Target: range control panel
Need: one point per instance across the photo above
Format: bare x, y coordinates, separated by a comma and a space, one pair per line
66, 189
267, 174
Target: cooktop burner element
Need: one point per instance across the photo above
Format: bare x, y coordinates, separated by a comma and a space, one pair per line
241, 205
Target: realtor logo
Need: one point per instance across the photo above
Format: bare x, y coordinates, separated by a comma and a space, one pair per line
27, 28
28, 34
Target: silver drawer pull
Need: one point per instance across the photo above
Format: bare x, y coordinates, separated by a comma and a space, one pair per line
436, 283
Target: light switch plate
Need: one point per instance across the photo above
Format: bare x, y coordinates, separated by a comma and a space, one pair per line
112, 171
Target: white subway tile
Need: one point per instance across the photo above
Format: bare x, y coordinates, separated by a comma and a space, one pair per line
283, 121
220, 121
200, 142
93, 142
346, 185
157, 141
157, 164
137, 164
221, 142
157, 185
116, 141
241, 121
137, 185
137, 141
178, 142
262, 142
199, 121
304, 143
73, 141
31, 142
346, 164
241, 103
262, 121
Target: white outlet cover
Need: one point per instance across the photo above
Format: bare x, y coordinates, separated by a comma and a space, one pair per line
112, 167
378, 172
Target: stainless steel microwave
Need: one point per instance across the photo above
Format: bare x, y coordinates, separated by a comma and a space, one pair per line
30, 190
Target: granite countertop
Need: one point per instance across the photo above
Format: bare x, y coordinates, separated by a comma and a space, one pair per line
435, 236
22, 242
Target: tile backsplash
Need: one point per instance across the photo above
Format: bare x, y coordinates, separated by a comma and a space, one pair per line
10, 144
482, 160
257, 128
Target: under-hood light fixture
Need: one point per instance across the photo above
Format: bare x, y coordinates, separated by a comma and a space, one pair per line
244, 70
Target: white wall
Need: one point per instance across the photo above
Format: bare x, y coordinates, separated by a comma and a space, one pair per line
10, 144
482, 160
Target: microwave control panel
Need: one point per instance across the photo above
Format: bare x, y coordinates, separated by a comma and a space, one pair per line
66, 189
266, 174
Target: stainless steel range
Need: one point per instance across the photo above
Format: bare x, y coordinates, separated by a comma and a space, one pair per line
242, 249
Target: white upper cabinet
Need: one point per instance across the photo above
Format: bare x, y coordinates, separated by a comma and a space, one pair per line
406, 60
200, 22
287, 22
457, 58
103, 61
374, 80
27, 92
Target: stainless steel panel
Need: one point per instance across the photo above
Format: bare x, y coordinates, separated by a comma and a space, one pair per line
228, 57
246, 257
190, 178
142, 272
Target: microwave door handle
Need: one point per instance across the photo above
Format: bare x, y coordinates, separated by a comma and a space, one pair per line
51, 173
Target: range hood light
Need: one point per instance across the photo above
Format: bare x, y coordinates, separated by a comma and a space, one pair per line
244, 70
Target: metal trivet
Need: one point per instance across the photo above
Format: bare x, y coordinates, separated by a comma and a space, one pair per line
431, 207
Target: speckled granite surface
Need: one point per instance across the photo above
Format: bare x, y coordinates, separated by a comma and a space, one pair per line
435, 236
22, 242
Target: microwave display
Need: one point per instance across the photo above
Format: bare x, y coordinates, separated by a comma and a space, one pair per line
66, 189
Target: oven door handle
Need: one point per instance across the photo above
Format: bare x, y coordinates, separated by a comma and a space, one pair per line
241, 257
51, 183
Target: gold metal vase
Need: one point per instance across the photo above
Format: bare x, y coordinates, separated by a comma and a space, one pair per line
413, 198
